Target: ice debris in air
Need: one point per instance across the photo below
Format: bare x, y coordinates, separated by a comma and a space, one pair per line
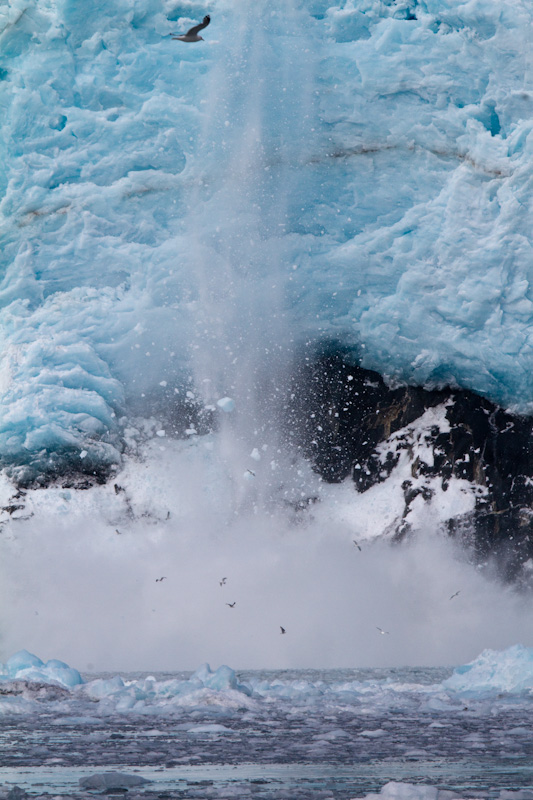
226, 404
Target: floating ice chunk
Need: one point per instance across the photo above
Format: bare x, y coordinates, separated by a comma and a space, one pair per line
22, 660
409, 791
508, 670
226, 404
214, 728
223, 678
160, 433
28, 667
111, 780
62, 673
255, 454
102, 687
333, 735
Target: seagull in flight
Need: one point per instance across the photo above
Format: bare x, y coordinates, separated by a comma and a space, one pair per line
158, 580
282, 629
223, 581
231, 605
455, 595
192, 34
356, 544
382, 631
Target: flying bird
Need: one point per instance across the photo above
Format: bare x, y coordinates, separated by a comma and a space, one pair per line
455, 595
382, 631
356, 544
223, 581
192, 34
282, 629
231, 605
158, 580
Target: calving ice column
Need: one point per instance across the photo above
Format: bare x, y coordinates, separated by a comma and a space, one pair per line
258, 102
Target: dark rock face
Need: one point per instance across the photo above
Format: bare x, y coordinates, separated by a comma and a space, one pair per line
348, 421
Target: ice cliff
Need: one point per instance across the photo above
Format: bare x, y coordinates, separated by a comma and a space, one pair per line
173, 215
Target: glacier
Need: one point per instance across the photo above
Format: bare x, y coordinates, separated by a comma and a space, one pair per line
179, 223
185, 231
233, 274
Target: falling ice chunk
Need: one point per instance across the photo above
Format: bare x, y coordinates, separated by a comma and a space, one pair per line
226, 404
160, 433
162, 383
255, 454
83, 453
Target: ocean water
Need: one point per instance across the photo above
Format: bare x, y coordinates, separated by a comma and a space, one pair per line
404, 733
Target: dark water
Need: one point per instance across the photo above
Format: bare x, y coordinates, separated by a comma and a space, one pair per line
338, 734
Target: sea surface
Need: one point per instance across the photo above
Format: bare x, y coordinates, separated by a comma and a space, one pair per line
266, 734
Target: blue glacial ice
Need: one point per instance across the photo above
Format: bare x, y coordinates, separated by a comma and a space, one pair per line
495, 671
493, 675
24, 666
358, 172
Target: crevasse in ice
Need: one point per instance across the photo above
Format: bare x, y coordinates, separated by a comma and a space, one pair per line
358, 171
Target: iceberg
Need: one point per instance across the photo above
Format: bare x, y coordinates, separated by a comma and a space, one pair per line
395, 790
486, 680
223, 678
493, 671
106, 781
24, 666
357, 173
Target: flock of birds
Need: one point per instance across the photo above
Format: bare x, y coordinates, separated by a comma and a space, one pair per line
223, 581
192, 35
232, 605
